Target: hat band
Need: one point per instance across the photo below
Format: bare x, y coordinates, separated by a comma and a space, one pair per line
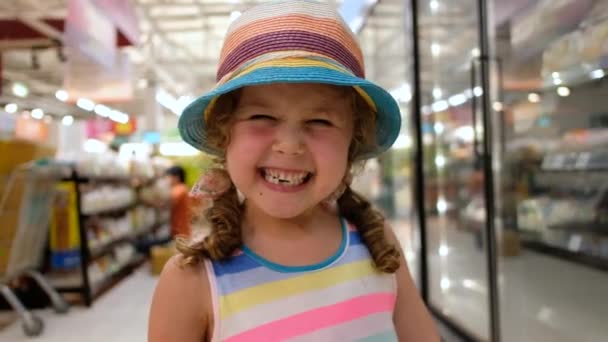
290, 62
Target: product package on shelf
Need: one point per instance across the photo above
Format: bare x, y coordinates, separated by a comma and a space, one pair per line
64, 231
103, 231
143, 218
106, 198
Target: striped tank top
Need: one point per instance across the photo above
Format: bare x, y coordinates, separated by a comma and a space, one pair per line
341, 299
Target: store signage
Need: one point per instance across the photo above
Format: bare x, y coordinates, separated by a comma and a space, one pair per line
89, 31
30, 129
98, 128
86, 79
125, 128
122, 14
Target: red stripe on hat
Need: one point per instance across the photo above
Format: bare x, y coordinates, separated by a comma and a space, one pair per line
290, 40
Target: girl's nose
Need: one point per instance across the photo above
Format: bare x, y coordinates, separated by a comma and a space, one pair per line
289, 141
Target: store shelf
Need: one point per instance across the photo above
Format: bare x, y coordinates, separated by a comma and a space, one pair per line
560, 252
109, 247
152, 229
91, 285
106, 284
66, 281
112, 211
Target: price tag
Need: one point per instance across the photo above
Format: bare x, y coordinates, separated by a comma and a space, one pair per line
582, 161
576, 240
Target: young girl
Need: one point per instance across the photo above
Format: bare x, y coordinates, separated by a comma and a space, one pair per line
293, 253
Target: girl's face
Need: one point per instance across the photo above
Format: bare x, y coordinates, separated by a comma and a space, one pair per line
288, 147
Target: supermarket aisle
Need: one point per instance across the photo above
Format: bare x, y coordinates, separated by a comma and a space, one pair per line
120, 315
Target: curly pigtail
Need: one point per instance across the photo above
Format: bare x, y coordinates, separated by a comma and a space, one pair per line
224, 217
370, 223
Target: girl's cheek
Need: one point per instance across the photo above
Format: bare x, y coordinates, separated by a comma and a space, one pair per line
334, 141
251, 133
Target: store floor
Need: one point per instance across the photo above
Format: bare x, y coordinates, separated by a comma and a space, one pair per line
542, 297
120, 315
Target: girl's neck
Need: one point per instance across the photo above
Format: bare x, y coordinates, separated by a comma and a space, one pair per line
257, 221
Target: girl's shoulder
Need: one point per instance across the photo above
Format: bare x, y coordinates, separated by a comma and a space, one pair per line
182, 303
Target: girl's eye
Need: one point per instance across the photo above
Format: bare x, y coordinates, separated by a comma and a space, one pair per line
321, 122
261, 117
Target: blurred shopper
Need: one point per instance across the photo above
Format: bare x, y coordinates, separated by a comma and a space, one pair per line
179, 205
180, 202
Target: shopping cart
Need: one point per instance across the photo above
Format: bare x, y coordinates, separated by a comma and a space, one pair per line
25, 211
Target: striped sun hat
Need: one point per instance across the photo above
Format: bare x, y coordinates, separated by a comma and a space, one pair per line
291, 41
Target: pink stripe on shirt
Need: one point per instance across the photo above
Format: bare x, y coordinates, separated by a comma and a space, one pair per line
309, 321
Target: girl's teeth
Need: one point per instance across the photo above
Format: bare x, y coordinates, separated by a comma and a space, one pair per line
278, 177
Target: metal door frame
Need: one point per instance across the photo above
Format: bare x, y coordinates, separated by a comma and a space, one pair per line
486, 159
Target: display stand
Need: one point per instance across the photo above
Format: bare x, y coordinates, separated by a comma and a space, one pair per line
80, 279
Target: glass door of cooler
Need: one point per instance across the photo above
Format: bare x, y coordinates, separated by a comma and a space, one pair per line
551, 169
452, 98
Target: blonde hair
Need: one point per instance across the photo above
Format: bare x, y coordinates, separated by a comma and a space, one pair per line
225, 215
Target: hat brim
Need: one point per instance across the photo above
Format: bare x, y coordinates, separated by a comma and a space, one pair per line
191, 123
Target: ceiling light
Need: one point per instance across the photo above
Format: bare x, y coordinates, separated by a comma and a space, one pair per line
498, 106
440, 106
445, 284
435, 49
597, 74
563, 91
102, 110
457, 100
557, 81
437, 93
442, 206
37, 113
440, 161
20, 89
478, 91
62, 95
119, 117
67, 120
11, 108
434, 5
439, 127
534, 97
475, 52
85, 104
555, 74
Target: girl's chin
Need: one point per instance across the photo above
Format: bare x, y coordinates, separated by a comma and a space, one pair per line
284, 211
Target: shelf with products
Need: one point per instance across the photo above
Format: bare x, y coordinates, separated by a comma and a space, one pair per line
568, 207
103, 248
111, 280
95, 233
